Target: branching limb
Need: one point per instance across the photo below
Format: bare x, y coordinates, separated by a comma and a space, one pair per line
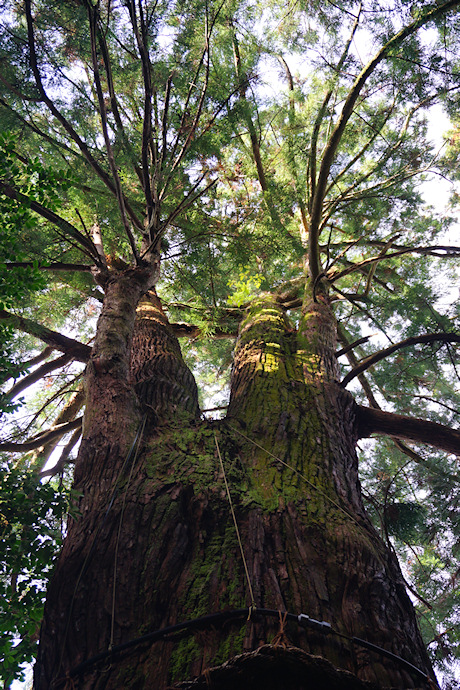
140, 34
69, 346
439, 250
347, 110
415, 340
333, 277
350, 355
323, 109
101, 173
383, 159
42, 439
63, 225
30, 124
184, 126
92, 17
67, 414
36, 375
64, 457
38, 359
56, 397
300, 193
369, 393
101, 35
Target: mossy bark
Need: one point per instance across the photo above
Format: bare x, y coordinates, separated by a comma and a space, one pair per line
166, 549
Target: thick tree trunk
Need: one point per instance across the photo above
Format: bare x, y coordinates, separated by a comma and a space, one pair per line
154, 542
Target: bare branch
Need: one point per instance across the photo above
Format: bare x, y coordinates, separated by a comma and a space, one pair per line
42, 439
372, 421
414, 340
101, 173
60, 342
36, 375
347, 111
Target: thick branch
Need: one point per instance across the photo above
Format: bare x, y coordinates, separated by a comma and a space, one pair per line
42, 439
64, 457
60, 342
54, 266
66, 228
372, 421
415, 340
67, 414
410, 452
36, 375
32, 362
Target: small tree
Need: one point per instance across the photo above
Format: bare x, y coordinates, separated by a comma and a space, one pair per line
151, 178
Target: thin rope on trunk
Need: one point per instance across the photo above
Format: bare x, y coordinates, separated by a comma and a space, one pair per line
246, 570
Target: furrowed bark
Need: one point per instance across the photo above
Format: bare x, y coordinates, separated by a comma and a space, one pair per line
157, 545
163, 382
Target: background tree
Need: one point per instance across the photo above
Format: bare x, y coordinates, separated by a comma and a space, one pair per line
152, 177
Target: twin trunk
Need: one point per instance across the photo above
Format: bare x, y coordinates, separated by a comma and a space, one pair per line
151, 541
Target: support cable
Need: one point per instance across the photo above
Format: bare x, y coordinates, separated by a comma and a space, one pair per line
222, 617
299, 474
246, 570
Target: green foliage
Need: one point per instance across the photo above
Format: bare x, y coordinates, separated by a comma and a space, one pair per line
31, 522
405, 521
244, 289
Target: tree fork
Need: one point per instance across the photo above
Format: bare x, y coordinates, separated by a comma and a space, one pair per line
308, 544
